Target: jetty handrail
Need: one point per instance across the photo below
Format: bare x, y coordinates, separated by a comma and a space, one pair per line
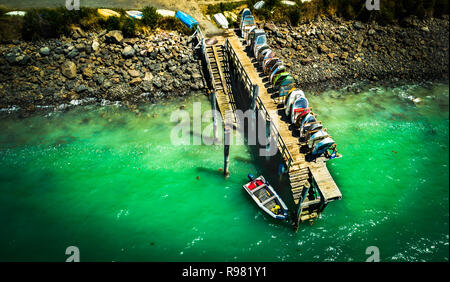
201, 39
260, 105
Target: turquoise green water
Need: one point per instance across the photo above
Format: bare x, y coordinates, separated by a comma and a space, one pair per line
109, 182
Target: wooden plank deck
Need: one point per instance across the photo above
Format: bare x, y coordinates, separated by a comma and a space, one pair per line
224, 97
300, 170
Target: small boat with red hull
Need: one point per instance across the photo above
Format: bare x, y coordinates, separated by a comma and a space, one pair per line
266, 198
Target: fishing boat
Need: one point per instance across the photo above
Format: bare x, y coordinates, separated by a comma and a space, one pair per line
276, 70
252, 35
285, 89
299, 109
259, 42
244, 13
186, 19
283, 78
267, 56
288, 3
16, 13
266, 198
288, 81
262, 53
269, 63
166, 13
291, 98
107, 13
309, 124
246, 25
135, 15
320, 142
221, 20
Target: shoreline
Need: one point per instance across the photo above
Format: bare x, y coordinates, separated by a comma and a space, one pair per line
327, 54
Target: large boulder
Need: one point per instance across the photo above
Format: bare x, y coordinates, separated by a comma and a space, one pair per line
69, 69
114, 36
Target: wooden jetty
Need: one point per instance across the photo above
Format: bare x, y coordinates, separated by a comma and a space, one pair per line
312, 186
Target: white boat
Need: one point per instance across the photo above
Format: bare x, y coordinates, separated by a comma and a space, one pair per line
166, 13
292, 97
221, 20
288, 3
16, 13
258, 5
266, 198
135, 15
262, 54
247, 23
309, 123
300, 108
320, 142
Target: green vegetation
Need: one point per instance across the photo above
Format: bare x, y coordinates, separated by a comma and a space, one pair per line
112, 23
151, 17
55, 22
391, 10
3, 11
128, 27
222, 7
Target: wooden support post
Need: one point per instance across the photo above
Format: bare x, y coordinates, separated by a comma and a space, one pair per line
214, 109
268, 137
227, 131
305, 192
254, 95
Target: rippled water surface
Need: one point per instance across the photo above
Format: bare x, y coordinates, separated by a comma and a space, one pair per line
110, 182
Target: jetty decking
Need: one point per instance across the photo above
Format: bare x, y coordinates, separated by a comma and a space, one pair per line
303, 174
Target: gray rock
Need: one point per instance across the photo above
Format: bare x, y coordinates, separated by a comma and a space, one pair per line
358, 25
128, 51
155, 67
81, 88
44, 51
11, 58
157, 83
69, 69
134, 73
72, 54
114, 36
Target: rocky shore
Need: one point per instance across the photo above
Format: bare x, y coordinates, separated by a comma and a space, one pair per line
333, 53
106, 68
99, 67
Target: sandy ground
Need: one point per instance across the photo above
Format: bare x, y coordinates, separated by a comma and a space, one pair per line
192, 7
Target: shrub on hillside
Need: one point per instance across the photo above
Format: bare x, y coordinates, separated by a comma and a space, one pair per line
31, 28
112, 23
3, 11
129, 27
150, 16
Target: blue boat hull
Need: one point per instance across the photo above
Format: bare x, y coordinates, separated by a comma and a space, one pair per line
186, 19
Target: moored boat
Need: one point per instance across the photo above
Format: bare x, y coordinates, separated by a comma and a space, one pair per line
186, 19
16, 13
108, 13
221, 20
135, 15
166, 13
266, 198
